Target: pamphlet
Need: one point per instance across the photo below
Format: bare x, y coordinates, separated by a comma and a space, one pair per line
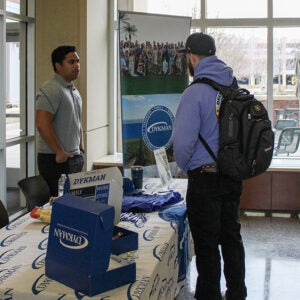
163, 166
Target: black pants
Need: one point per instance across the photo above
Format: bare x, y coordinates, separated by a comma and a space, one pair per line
51, 170
213, 214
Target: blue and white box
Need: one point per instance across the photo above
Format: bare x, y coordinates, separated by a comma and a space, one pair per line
103, 185
79, 247
126, 241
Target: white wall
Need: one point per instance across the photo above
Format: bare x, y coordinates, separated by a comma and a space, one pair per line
97, 80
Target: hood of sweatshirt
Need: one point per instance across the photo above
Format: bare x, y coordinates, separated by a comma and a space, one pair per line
214, 68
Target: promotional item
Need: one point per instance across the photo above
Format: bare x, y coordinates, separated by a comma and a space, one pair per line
163, 165
137, 176
79, 247
61, 184
41, 214
101, 185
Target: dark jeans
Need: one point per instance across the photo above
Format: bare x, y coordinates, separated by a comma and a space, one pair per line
51, 170
213, 214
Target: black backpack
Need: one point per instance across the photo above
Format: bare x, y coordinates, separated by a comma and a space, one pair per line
246, 141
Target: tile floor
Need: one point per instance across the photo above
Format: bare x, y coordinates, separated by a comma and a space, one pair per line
272, 246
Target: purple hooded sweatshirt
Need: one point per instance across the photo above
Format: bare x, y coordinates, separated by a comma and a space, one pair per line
196, 114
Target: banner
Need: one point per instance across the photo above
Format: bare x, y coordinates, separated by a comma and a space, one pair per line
153, 77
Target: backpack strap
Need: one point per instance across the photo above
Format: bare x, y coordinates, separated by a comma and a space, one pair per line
225, 91
211, 153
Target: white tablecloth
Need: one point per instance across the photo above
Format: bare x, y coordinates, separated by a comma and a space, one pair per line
23, 246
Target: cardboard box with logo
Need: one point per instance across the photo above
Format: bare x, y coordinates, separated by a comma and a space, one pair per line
80, 246
102, 185
105, 186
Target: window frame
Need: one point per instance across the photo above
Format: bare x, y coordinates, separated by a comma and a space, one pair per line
201, 24
27, 94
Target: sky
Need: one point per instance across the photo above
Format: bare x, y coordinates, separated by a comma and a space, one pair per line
136, 106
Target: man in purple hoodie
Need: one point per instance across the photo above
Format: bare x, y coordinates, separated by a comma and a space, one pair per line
212, 199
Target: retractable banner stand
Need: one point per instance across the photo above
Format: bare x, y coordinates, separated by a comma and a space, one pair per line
297, 74
153, 77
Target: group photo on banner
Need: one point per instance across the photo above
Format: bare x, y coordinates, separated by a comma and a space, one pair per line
153, 76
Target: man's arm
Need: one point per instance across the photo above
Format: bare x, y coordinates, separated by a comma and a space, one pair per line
44, 125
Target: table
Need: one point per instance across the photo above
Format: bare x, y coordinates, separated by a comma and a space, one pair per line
23, 246
113, 160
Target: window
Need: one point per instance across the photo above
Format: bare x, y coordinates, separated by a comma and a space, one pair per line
13, 6
286, 9
17, 146
286, 52
187, 8
15, 52
245, 50
260, 39
219, 9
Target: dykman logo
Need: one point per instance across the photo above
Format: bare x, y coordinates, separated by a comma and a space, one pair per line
157, 127
71, 240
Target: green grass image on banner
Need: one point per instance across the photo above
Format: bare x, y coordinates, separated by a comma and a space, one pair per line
153, 84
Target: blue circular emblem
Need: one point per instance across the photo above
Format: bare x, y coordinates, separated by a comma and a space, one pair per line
157, 127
